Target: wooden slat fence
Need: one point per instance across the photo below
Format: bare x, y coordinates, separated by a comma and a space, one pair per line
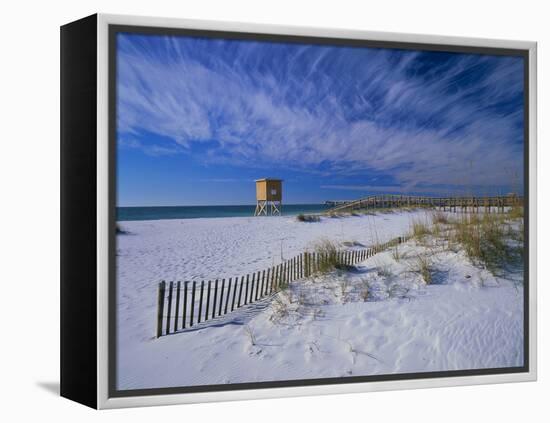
185, 304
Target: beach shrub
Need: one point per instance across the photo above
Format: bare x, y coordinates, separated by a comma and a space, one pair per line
365, 291
328, 253
344, 284
484, 238
516, 212
440, 217
308, 218
395, 253
420, 229
424, 268
384, 271
119, 230
250, 333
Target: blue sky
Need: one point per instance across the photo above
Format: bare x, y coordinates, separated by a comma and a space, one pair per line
199, 119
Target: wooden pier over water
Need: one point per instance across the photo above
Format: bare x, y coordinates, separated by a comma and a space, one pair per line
462, 203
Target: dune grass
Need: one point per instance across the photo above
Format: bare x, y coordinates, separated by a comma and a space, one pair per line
420, 229
440, 218
485, 238
424, 267
328, 252
516, 212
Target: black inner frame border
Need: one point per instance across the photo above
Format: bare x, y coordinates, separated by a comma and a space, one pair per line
113, 30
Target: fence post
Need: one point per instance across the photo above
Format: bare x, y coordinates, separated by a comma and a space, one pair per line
274, 281
262, 289
268, 275
288, 271
258, 280
200, 302
227, 295
169, 312
246, 292
240, 292
253, 283
221, 297
235, 283
176, 318
215, 299
184, 303
277, 277
160, 307
317, 262
192, 305
207, 302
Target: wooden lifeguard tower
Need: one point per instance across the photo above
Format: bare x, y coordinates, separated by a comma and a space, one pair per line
269, 197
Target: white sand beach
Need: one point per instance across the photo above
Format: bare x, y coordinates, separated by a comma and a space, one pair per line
321, 327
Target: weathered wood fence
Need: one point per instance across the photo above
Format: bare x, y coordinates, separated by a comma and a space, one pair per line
184, 304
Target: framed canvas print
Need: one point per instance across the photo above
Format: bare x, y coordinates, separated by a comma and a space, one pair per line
254, 211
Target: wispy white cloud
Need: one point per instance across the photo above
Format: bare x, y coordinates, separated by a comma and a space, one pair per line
325, 110
153, 150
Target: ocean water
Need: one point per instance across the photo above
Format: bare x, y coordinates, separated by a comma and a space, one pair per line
193, 212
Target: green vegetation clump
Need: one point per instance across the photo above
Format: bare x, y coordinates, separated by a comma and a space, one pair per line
440, 217
328, 256
484, 238
308, 218
424, 268
516, 212
396, 254
420, 229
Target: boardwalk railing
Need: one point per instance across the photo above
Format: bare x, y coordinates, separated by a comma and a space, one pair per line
182, 305
451, 203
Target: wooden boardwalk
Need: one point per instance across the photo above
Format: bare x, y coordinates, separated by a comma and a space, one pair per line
463, 203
